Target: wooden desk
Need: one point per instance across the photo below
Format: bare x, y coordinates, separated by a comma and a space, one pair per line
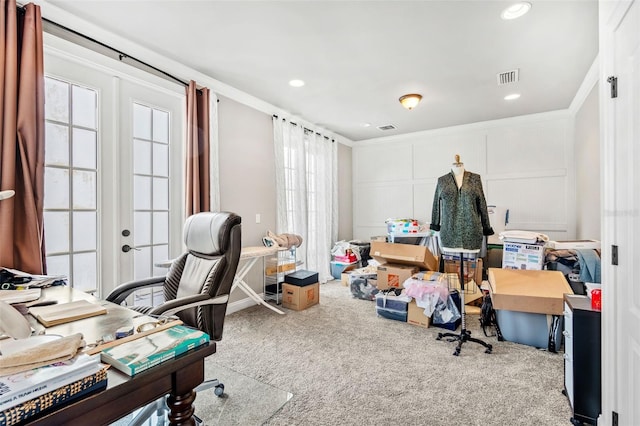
124, 394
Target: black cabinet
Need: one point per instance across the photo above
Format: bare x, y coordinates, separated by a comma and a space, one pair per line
582, 359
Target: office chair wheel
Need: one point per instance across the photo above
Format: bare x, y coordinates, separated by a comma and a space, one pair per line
219, 390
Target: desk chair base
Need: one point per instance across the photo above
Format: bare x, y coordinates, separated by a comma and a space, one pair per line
464, 336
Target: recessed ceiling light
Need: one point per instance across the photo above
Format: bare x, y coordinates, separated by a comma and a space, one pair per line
516, 10
366, 124
296, 83
512, 96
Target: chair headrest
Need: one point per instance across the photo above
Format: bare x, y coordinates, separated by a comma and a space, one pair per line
208, 232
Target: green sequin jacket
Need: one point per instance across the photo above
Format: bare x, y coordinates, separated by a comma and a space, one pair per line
460, 215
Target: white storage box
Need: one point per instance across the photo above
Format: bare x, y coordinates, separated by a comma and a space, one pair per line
574, 245
522, 256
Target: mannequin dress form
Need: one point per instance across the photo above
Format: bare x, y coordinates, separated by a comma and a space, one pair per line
467, 214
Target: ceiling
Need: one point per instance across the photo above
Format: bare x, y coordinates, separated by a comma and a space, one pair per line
358, 57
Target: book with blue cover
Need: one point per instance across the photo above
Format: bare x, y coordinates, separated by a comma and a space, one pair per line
138, 355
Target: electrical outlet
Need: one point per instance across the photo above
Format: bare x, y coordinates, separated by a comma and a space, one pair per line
258, 218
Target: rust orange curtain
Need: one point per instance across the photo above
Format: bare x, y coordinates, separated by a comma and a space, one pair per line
22, 138
198, 191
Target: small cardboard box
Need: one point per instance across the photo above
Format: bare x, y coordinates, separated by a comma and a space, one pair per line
522, 256
391, 275
272, 267
416, 316
403, 254
299, 298
537, 292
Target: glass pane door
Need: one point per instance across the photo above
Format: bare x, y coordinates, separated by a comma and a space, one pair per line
151, 184
71, 182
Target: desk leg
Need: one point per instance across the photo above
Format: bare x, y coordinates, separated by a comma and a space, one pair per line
180, 401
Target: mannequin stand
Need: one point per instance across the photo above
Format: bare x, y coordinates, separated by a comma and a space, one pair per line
465, 335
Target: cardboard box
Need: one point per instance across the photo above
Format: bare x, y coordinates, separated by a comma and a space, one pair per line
522, 256
403, 254
574, 245
299, 298
272, 267
344, 278
538, 292
416, 316
390, 275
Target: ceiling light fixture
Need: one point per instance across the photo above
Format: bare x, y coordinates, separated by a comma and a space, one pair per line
296, 83
512, 97
411, 100
516, 10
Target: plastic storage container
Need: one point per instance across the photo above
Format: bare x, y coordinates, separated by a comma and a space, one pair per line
392, 307
531, 329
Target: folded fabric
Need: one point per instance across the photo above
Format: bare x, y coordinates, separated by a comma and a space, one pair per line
47, 353
285, 240
589, 266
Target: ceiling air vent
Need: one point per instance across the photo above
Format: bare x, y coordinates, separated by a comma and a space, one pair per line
387, 127
508, 77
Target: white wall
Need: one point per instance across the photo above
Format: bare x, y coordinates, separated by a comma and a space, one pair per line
587, 158
525, 162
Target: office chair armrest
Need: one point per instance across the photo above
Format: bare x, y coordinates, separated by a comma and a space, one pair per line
172, 306
120, 293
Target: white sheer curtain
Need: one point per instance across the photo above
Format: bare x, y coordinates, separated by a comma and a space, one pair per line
306, 179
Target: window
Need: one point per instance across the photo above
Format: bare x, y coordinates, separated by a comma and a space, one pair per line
71, 182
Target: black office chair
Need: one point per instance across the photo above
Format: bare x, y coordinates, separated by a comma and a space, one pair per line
197, 286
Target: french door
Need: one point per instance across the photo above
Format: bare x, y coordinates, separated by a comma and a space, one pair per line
113, 170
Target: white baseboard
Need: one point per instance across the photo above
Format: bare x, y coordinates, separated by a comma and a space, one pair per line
239, 305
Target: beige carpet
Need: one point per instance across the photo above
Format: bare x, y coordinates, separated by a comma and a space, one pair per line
346, 366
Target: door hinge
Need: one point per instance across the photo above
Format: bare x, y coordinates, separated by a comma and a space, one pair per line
614, 418
614, 255
614, 86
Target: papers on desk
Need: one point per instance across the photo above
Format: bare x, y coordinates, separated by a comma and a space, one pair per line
66, 312
19, 296
33, 281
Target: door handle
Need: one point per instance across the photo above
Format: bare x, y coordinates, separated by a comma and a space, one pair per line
127, 248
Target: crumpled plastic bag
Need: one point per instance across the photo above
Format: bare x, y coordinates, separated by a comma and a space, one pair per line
445, 312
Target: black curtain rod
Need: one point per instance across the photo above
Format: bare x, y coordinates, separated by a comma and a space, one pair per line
121, 55
306, 129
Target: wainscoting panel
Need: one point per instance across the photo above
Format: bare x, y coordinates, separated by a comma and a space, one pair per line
524, 162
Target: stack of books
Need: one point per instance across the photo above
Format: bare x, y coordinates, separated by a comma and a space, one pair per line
138, 355
25, 394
